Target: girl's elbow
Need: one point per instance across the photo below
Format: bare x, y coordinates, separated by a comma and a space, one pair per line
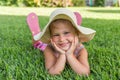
85, 72
52, 72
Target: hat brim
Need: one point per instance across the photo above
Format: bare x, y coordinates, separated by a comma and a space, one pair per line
85, 34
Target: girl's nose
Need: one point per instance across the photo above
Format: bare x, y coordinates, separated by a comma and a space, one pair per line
61, 38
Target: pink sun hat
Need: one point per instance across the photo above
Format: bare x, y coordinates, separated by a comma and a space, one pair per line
85, 34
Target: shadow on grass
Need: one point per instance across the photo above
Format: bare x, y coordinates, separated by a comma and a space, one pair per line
105, 11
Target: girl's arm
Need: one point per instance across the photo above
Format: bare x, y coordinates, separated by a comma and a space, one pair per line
53, 64
80, 65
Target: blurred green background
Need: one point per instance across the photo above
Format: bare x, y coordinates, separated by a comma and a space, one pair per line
59, 3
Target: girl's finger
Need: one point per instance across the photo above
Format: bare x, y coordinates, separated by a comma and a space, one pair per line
76, 40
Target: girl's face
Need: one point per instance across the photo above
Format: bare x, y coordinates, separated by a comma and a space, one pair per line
62, 35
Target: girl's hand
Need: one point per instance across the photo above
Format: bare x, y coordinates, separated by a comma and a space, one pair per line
57, 48
73, 46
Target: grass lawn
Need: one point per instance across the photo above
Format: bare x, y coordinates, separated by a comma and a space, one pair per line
20, 61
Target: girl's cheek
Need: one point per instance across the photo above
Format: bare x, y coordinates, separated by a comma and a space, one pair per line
70, 38
55, 39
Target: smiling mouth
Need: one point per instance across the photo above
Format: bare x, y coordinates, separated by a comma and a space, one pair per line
63, 45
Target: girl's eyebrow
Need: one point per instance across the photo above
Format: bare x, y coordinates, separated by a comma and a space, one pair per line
55, 34
66, 31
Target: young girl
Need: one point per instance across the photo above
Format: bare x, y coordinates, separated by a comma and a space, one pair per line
61, 41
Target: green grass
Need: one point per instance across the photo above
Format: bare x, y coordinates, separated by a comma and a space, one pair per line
20, 61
